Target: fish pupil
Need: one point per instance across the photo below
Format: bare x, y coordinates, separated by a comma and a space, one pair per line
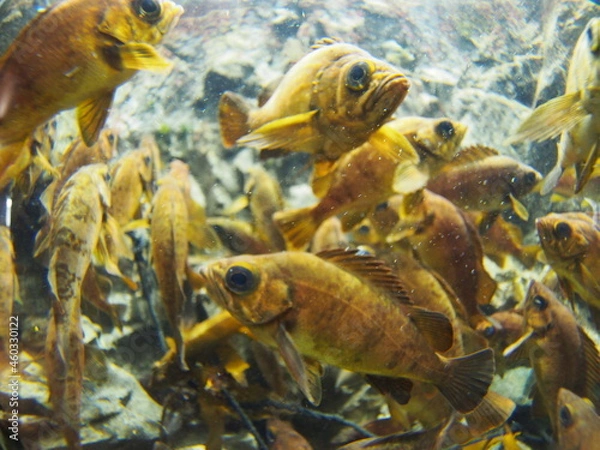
562, 230
566, 419
540, 303
445, 129
489, 331
240, 280
530, 178
358, 76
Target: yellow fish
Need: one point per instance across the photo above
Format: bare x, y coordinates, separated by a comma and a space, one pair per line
75, 54
579, 424
574, 115
347, 310
331, 101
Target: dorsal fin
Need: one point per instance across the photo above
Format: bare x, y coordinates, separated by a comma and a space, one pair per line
323, 42
473, 154
370, 269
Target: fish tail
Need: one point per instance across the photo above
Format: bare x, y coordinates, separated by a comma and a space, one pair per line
298, 226
233, 118
467, 379
491, 413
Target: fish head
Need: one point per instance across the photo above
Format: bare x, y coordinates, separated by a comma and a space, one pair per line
540, 309
358, 91
562, 236
577, 420
145, 21
252, 289
439, 138
97, 177
523, 179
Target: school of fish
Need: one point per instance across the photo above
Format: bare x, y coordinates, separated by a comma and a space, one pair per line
395, 276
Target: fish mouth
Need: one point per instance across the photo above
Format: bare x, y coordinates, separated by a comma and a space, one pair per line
392, 89
172, 13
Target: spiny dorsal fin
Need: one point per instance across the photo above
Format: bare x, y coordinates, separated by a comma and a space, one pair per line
472, 154
370, 269
323, 42
592, 368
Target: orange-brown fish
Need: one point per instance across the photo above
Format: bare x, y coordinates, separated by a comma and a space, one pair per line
347, 310
571, 244
131, 178
445, 240
360, 180
560, 352
328, 236
169, 247
480, 179
578, 422
574, 115
238, 236
283, 436
331, 101
75, 54
9, 287
502, 329
75, 232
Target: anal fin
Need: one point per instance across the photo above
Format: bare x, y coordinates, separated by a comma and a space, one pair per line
91, 116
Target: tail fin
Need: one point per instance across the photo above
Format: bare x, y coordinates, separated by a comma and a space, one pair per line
491, 413
297, 225
468, 379
233, 118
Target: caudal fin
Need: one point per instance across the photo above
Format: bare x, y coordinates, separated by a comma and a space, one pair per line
298, 226
233, 118
468, 379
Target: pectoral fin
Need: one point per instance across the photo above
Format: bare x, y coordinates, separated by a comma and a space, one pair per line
306, 375
91, 116
434, 326
518, 208
293, 133
140, 56
394, 144
518, 346
552, 118
588, 168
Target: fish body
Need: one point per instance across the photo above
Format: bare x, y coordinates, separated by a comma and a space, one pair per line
361, 179
571, 244
131, 177
75, 231
75, 54
331, 101
579, 424
445, 240
316, 307
169, 248
482, 180
560, 352
575, 115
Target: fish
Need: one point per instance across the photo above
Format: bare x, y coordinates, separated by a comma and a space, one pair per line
444, 239
480, 179
169, 248
74, 236
282, 436
332, 100
360, 180
571, 245
574, 116
131, 179
348, 310
238, 236
10, 285
75, 54
504, 328
560, 351
579, 424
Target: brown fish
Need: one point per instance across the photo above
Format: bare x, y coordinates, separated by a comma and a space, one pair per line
479, 179
560, 352
445, 240
75, 232
75, 54
285, 437
169, 247
331, 101
349, 311
579, 424
571, 244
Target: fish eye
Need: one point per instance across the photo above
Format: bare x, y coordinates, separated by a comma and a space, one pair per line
382, 206
149, 10
530, 178
540, 303
240, 280
562, 230
358, 76
147, 160
565, 416
445, 129
363, 229
489, 331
